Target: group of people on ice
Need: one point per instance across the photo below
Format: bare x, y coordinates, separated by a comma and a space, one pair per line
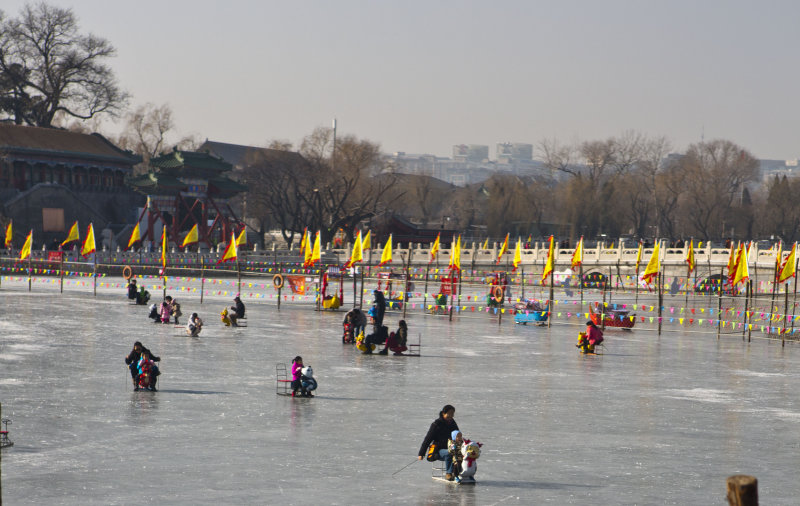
355, 322
142, 364
444, 441
230, 317
169, 308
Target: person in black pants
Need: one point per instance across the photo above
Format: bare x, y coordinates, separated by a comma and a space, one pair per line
132, 360
438, 435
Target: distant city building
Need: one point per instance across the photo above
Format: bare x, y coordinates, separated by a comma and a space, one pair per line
772, 168
508, 152
471, 153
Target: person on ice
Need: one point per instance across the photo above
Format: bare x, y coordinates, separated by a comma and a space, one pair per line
148, 372
298, 385
132, 361
154, 314
357, 321
228, 318
379, 336
396, 343
435, 443
194, 326
378, 308
132, 289
238, 307
143, 296
175, 310
166, 309
589, 339
455, 445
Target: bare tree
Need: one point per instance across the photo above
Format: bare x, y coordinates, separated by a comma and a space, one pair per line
49, 68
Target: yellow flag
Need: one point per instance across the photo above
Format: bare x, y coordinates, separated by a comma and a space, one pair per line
73, 234
638, 257
457, 255
485, 244
89, 245
653, 266
690, 257
367, 243
435, 248
230, 250
577, 255
25, 252
517, 254
503, 249
316, 252
307, 251
742, 270
135, 236
789, 266
548, 266
304, 242
242, 239
9, 234
386, 256
732, 256
357, 255
164, 247
191, 237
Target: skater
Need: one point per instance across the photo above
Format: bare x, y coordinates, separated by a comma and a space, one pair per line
132, 361
238, 307
166, 308
299, 387
435, 442
194, 326
133, 290
396, 343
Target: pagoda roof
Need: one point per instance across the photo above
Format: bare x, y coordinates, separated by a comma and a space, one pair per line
191, 164
157, 183
223, 187
54, 145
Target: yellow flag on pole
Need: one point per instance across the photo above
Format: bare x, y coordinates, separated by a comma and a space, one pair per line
457, 255
577, 255
435, 248
73, 234
230, 250
517, 254
503, 249
690, 257
304, 243
548, 266
788, 269
386, 256
742, 270
135, 236
638, 257
241, 240
89, 245
316, 251
485, 244
9, 234
191, 237
307, 250
653, 266
367, 243
358, 254
164, 247
25, 252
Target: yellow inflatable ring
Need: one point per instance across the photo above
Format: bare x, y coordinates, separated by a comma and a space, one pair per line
277, 280
497, 293
127, 273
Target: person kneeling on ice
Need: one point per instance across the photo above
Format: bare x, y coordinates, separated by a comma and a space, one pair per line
228, 318
301, 384
132, 360
194, 326
133, 290
396, 343
143, 296
435, 443
379, 336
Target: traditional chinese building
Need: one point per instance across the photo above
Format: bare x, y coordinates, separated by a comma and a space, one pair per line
51, 177
185, 188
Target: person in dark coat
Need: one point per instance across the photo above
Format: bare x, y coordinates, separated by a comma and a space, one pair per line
438, 434
133, 290
380, 308
238, 307
132, 360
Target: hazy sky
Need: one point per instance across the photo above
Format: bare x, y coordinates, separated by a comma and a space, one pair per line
420, 76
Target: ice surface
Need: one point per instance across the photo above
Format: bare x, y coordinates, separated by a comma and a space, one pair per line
653, 421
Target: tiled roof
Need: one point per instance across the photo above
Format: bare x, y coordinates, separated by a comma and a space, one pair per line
191, 162
156, 184
239, 155
17, 139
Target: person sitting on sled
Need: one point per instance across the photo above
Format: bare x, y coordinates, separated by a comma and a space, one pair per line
379, 336
194, 326
297, 379
238, 307
396, 343
435, 442
147, 372
132, 289
132, 360
454, 447
228, 318
589, 339
154, 314
143, 296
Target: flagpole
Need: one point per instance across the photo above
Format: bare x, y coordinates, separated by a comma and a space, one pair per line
522, 283
775, 280
95, 272
61, 270
425, 293
719, 302
660, 297
747, 293
550, 302
202, 276
238, 277
785, 317
30, 255
405, 289
794, 295
452, 292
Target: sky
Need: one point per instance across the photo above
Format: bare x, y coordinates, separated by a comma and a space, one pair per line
422, 76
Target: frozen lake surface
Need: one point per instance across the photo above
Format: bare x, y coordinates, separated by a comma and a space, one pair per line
653, 421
